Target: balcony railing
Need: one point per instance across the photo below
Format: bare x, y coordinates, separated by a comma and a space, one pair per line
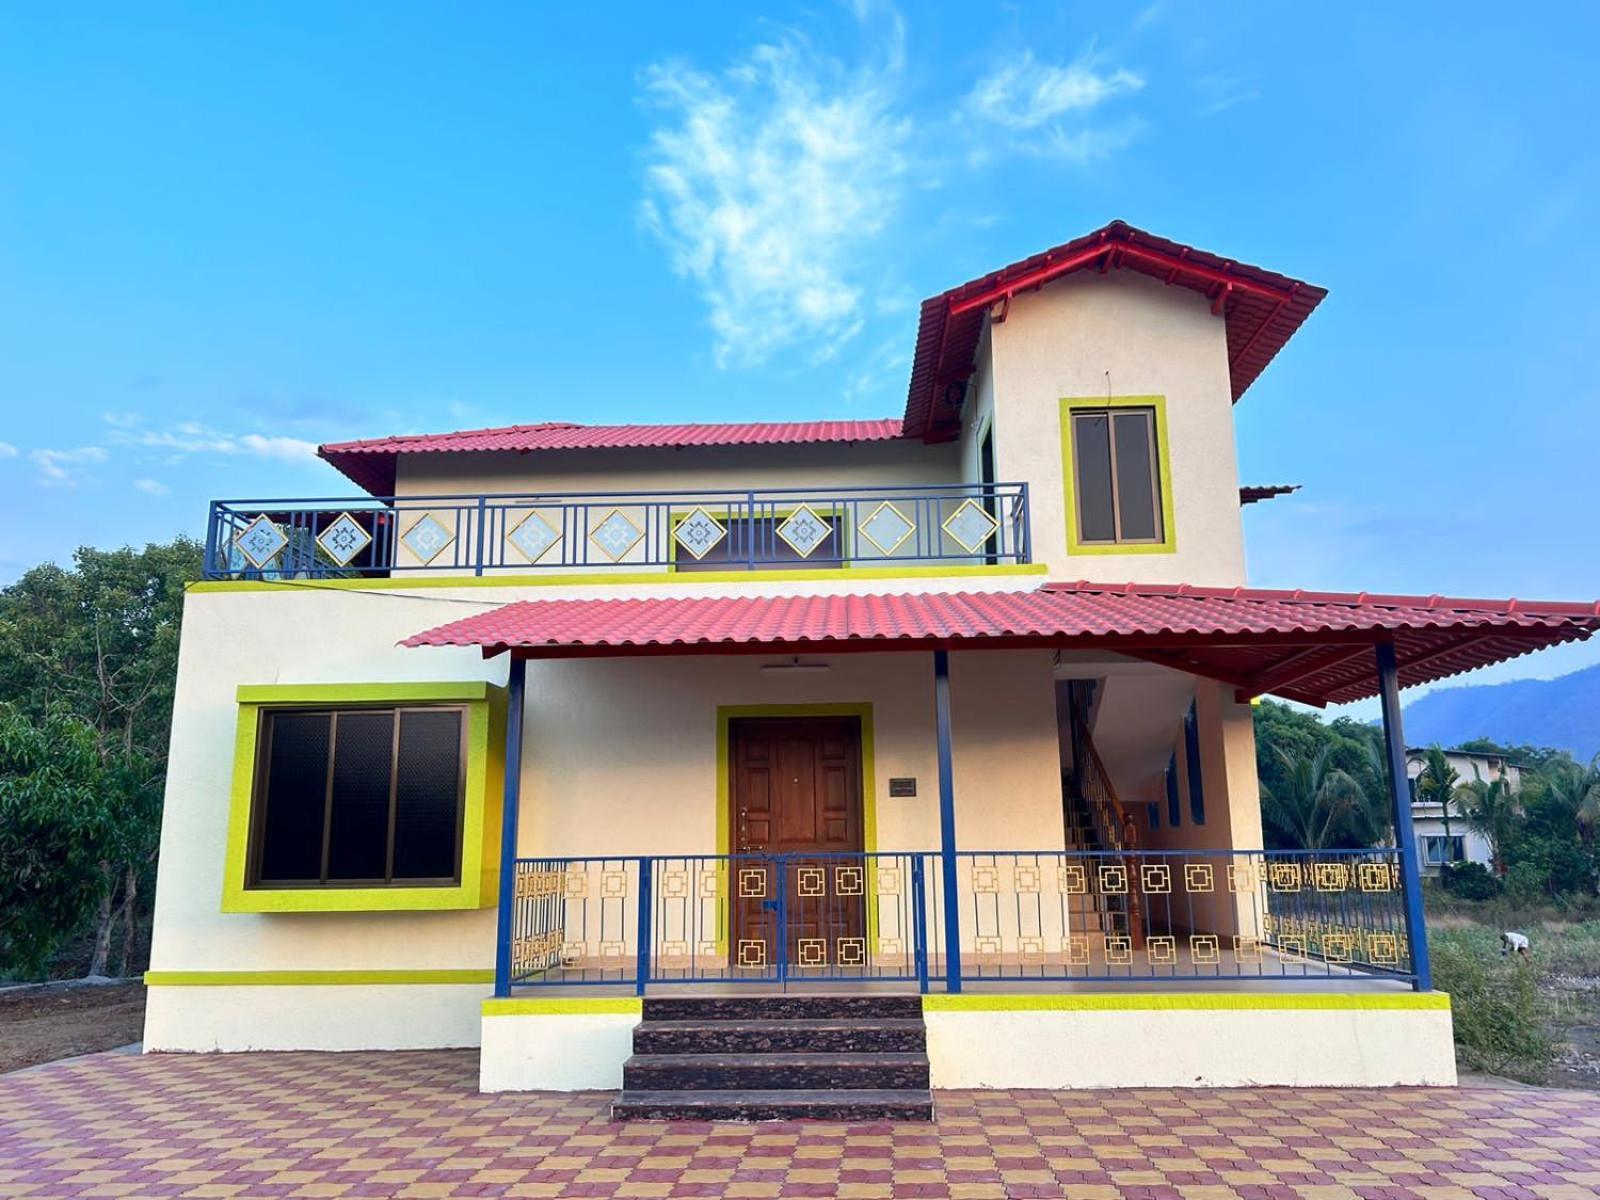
1045, 916
762, 529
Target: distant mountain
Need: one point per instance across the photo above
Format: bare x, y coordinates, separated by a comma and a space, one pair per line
1562, 712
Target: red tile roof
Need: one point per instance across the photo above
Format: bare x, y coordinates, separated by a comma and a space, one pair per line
371, 463
1308, 646
1262, 310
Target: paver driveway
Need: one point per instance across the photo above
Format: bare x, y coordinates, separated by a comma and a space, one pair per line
410, 1124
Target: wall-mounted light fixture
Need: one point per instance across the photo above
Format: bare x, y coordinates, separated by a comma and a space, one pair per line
794, 664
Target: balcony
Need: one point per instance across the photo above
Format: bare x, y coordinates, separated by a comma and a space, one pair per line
686, 531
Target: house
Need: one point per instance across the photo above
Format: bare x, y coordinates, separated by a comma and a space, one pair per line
744, 761
1462, 843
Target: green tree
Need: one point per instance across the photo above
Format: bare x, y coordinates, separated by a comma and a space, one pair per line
1574, 788
57, 824
1437, 784
1313, 802
1490, 810
99, 641
1287, 736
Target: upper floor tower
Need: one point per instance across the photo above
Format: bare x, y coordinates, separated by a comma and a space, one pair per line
1070, 415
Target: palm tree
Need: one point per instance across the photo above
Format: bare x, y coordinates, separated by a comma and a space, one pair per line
1314, 801
1576, 788
1437, 785
1490, 811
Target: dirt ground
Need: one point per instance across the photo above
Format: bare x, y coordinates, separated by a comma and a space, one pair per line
51, 1021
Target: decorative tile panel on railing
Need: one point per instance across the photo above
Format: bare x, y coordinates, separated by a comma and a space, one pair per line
707, 530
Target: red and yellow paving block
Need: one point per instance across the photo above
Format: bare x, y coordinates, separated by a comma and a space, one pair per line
412, 1125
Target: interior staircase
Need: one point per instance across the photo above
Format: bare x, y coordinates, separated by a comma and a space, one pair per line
768, 1058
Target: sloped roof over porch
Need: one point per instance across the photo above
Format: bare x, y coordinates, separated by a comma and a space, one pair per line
1306, 646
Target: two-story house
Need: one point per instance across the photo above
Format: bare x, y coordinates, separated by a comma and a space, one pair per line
1448, 837
849, 755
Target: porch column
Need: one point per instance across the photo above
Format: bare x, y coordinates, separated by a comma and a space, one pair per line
1394, 745
508, 825
947, 821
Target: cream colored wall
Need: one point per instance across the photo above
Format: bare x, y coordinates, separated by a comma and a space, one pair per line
621, 753
619, 758
1122, 335
695, 468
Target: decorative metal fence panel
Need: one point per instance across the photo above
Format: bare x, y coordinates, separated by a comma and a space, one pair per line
686, 531
1196, 914
1067, 916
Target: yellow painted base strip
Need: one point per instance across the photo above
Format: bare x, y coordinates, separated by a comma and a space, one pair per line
563, 1006
642, 578
313, 978
1188, 1001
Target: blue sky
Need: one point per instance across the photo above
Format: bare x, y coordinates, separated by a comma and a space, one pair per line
229, 232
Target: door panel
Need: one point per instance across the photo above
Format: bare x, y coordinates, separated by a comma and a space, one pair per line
797, 791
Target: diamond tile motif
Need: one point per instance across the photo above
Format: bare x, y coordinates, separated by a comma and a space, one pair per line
261, 541
616, 535
804, 531
427, 539
343, 540
887, 528
699, 533
971, 526
533, 537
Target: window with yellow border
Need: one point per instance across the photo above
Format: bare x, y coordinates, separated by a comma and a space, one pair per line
1117, 474
365, 797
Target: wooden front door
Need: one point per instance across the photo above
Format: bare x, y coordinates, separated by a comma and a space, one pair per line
796, 792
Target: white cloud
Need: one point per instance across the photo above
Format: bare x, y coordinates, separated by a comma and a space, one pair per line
65, 468
7, 450
189, 437
1220, 92
767, 183
151, 487
1045, 108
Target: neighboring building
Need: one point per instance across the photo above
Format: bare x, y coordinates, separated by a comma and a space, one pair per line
1463, 844
818, 706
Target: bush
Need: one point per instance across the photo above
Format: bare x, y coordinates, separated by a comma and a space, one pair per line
1469, 880
1502, 1024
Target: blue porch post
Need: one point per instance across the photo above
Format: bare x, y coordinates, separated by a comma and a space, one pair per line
508, 825
947, 821
1405, 839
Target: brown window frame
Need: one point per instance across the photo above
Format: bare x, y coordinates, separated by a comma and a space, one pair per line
259, 797
1154, 448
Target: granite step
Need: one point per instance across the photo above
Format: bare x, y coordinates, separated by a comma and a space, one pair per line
790, 1036
890, 1006
862, 1104
892, 1071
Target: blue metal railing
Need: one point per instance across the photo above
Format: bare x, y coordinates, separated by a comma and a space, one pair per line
1063, 916
752, 529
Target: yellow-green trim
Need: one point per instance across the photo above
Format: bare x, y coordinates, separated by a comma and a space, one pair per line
480, 832
358, 693
640, 578
315, 978
1169, 528
1148, 1001
563, 1006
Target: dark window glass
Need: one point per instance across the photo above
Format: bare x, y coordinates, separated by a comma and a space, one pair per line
427, 782
1096, 502
1191, 753
756, 539
1152, 815
1136, 501
1117, 480
296, 795
358, 828
1174, 808
361, 795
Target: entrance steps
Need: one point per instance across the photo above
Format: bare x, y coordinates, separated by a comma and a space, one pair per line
764, 1058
